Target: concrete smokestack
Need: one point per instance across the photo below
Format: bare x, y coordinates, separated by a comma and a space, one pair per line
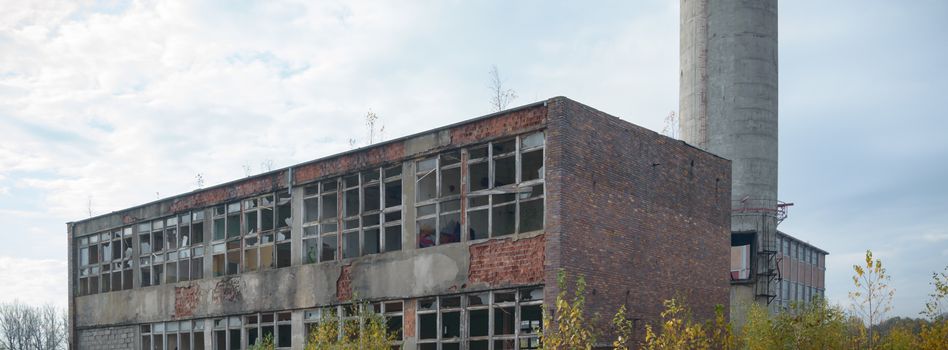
728, 106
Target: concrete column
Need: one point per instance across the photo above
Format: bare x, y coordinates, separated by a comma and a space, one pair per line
693, 74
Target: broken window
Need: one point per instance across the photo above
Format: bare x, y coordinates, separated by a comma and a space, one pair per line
266, 245
371, 209
438, 211
328, 220
505, 183
226, 248
275, 325
502, 318
345, 318
320, 222
183, 335
227, 333
350, 233
742, 247
105, 261
88, 266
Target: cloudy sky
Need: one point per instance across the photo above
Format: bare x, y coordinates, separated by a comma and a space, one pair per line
109, 104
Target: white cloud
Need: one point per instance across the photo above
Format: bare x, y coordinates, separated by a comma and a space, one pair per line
33, 281
935, 237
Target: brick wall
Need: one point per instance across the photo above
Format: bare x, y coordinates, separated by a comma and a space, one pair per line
642, 217
507, 262
115, 338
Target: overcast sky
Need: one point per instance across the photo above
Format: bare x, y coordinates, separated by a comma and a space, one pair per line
116, 104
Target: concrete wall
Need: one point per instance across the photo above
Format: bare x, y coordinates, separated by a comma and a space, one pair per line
693, 74
644, 217
396, 275
742, 92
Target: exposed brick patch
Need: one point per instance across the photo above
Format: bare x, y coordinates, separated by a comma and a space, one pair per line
409, 318
344, 284
227, 290
507, 124
349, 162
249, 187
186, 300
507, 261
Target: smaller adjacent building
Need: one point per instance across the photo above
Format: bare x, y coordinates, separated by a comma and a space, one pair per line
802, 271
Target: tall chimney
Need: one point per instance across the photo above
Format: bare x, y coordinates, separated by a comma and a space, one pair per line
728, 106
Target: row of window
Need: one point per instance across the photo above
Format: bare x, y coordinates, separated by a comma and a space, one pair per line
790, 292
346, 217
798, 251
504, 191
499, 320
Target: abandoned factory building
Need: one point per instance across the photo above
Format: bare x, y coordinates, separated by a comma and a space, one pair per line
455, 234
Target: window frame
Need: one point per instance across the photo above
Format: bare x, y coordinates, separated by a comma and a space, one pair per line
474, 201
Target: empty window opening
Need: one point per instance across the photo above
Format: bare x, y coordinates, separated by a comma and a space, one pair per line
742, 248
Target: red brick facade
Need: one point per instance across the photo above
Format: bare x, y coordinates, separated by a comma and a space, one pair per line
641, 216
507, 262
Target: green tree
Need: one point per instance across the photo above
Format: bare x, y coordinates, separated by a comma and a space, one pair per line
872, 296
934, 308
265, 343
364, 329
568, 328
758, 330
678, 330
813, 325
935, 334
624, 327
899, 338
722, 333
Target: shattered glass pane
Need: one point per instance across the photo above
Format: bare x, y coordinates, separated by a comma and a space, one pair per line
532, 140
450, 182
479, 177
531, 165
531, 215
505, 171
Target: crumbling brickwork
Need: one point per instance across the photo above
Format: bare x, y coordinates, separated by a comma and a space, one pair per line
186, 300
505, 125
409, 317
341, 164
114, 338
244, 188
507, 261
344, 284
642, 217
